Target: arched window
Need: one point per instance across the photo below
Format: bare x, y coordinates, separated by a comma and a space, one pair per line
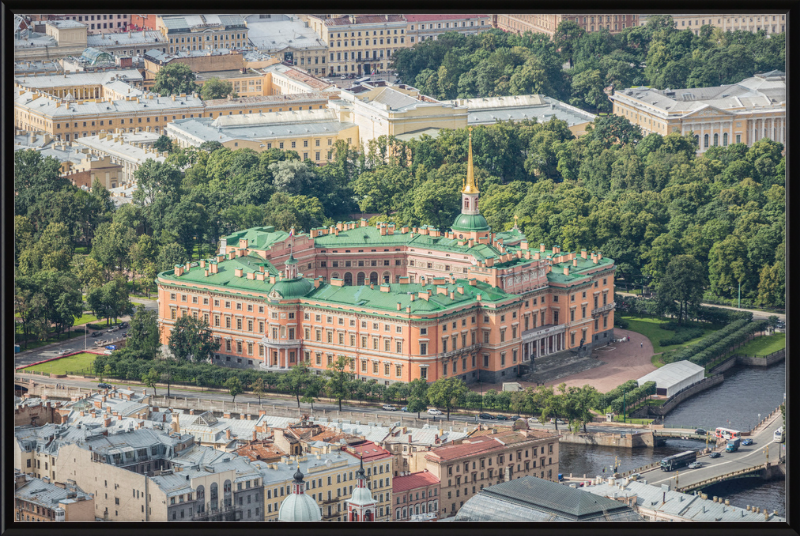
705, 141
201, 499
716, 140
725, 139
373, 278
348, 278
387, 277
466, 203
212, 504
360, 279
398, 514
697, 139
335, 275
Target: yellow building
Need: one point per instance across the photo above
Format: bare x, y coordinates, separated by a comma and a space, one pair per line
744, 112
280, 79
548, 23
750, 22
115, 84
203, 32
67, 32
360, 43
329, 480
312, 133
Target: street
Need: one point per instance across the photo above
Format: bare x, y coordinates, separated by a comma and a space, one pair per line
76, 344
245, 398
728, 462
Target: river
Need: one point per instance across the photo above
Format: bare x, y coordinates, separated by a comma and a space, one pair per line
744, 394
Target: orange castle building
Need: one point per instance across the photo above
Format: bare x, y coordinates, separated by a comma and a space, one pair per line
401, 303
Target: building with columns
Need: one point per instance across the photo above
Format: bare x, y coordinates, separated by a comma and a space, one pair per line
400, 303
770, 23
744, 112
548, 23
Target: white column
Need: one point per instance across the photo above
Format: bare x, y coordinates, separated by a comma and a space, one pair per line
702, 137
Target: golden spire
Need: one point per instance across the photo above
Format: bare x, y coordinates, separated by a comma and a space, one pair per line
470, 187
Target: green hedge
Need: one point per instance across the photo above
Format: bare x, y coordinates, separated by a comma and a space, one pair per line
632, 397
724, 345
682, 337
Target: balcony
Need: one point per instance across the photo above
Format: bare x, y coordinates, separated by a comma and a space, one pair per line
225, 513
461, 351
603, 309
281, 343
545, 330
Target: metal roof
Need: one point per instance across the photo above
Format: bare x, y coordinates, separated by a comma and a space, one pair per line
672, 374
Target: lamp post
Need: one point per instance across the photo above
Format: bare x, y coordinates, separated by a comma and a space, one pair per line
624, 416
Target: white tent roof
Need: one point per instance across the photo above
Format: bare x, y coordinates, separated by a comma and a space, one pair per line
671, 374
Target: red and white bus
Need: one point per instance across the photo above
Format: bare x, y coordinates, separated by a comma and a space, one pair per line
727, 433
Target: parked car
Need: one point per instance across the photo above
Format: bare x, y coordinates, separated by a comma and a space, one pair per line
434, 411
96, 333
533, 420
635, 476
700, 431
501, 418
714, 455
107, 352
486, 416
404, 408
695, 465
343, 77
560, 421
123, 325
104, 386
514, 418
747, 441
62, 352
111, 347
112, 330
389, 407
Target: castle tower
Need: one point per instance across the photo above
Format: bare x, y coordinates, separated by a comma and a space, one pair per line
361, 506
470, 223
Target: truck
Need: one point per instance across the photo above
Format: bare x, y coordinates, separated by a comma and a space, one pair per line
670, 463
733, 445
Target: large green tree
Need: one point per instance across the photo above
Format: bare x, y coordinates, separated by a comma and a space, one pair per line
447, 393
175, 78
338, 375
191, 340
683, 282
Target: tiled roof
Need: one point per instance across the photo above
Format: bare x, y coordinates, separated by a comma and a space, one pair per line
452, 452
414, 480
368, 451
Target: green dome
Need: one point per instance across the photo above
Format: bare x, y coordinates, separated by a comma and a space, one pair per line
470, 222
292, 288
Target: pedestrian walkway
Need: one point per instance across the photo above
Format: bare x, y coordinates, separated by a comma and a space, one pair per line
756, 312
623, 361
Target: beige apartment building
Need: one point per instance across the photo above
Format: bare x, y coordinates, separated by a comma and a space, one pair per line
113, 84
67, 33
359, 44
40, 500
425, 27
203, 32
485, 460
548, 24
770, 23
744, 112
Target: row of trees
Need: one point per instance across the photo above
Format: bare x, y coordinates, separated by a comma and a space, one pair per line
496, 63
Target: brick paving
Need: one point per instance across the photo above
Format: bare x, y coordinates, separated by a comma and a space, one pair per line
623, 361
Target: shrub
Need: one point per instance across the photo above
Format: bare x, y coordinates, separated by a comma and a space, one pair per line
683, 336
621, 322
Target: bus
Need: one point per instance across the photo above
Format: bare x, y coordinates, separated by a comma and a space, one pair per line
670, 463
727, 433
778, 435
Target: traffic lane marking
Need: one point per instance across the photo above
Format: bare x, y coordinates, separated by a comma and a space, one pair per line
736, 460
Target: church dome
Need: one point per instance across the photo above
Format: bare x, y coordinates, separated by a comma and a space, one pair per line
470, 222
362, 496
299, 507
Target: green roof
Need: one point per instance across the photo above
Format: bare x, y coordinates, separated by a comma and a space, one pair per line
257, 237
293, 288
470, 222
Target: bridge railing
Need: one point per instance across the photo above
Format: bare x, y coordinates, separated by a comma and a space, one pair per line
720, 478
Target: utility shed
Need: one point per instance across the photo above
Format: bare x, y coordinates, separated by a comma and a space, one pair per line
674, 377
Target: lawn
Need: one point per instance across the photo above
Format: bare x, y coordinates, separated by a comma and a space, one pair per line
73, 363
650, 328
763, 346
85, 319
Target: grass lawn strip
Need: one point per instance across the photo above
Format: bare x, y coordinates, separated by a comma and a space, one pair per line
763, 346
650, 328
73, 363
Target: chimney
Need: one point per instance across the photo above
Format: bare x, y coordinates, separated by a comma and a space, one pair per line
398, 306
254, 435
119, 417
574, 262
583, 253
228, 433
107, 422
541, 248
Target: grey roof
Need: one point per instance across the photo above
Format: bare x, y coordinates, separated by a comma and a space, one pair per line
187, 22
165, 57
276, 35
689, 507
672, 374
284, 472
123, 149
535, 499
83, 78
262, 126
54, 108
22, 67
395, 100
65, 24
45, 493
487, 111
127, 38
28, 39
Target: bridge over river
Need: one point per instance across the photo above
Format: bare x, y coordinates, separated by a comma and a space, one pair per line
762, 459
